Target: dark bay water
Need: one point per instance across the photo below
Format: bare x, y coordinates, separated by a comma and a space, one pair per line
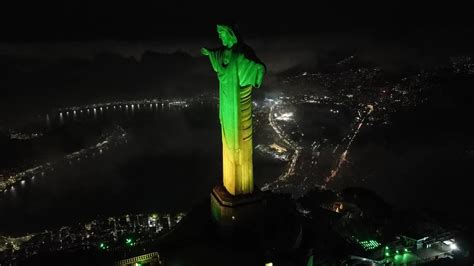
423, 159
171, 161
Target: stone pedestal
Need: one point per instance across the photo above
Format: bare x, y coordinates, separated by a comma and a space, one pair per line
239, 214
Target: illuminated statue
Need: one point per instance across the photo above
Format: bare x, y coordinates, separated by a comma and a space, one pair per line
238, 71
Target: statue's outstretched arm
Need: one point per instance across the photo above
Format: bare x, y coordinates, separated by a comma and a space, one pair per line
205, 51
215, 56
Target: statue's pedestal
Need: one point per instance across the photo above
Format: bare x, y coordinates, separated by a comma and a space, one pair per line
237, 215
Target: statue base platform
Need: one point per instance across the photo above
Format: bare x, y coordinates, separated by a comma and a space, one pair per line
265, 226
239, 214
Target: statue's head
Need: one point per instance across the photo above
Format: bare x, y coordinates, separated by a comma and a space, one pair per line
227, 35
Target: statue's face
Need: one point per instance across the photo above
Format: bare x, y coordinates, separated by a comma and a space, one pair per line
227, 40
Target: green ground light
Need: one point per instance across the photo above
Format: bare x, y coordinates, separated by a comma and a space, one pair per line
129, 242
103, 246
406, 258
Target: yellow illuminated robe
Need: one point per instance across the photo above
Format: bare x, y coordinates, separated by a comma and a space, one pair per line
237, 76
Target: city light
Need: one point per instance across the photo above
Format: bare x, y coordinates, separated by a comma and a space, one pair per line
152, 220
451, 244
95, 233
285, 117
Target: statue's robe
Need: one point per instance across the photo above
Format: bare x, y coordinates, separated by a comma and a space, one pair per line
242, 72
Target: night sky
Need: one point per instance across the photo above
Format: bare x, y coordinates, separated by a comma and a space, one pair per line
280, 29
89, 20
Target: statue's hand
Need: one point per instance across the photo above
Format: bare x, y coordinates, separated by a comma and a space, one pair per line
204, 51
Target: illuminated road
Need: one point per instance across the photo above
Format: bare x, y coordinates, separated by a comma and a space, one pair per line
283, 137
343, 157
303, 170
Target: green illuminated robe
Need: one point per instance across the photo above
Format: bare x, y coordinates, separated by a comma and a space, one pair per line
238, 71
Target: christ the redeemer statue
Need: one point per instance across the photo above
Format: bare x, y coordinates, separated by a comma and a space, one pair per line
238, 71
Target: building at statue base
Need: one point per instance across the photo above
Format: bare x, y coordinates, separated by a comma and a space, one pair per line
265, 229
237, 214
